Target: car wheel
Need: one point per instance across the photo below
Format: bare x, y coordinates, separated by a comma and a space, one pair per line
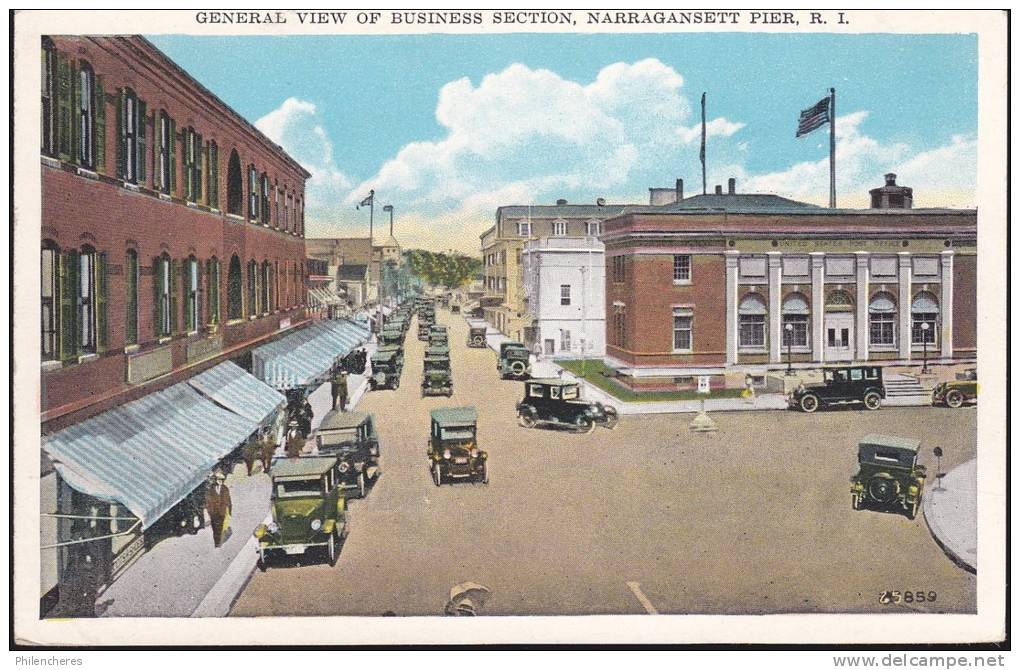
954, 398
584, 424
872, 400
517, 368
485, 474
262, 564
612, 418
479, 341
437, 475
912, 512
883, 490
809, 403
361, 485
526, 417
855, 502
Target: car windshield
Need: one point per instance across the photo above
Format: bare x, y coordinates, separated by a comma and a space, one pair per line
298, 487
571, 392
460, 433
332, 438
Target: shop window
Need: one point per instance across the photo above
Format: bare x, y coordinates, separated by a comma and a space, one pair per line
795, 321
235, 308
751, 319
235, 197
882, 320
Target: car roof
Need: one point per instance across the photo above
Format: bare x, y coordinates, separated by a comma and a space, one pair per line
455, 416
552, 381
338, 420
874, 439
384, 354
305, 466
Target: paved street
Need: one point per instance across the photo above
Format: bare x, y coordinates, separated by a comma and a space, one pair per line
753, 519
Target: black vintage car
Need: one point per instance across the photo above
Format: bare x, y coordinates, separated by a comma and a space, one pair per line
858, 384
387, 364
351, 437
476, 336
438, 337
558, 402
452, 450
436, 375
888, 477
514, 361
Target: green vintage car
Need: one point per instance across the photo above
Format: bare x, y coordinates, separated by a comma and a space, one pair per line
437, 377
514, 361
308, 510
387, 364
438, 336
955, 393
452, 450
888, 477
476, 337
351, 437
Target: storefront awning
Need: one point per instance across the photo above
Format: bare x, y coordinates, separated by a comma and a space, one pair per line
233, 388
150, 453
302, 358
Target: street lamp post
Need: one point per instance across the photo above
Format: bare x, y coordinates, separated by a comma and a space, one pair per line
924, 343
789, 349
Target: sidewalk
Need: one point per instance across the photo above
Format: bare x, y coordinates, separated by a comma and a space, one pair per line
951, 513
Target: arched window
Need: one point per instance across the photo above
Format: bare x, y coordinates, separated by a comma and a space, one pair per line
265, 282
751, 316
167, 154
165, 282
796, 315
131, 290
86, 115
87, 299
882, 320
212, 277
264, 198
253, 292
924, 316
191, 295
132, 131
192, 165
212, 185
838, 301
49, 299
253, 193
234, 292
235, 187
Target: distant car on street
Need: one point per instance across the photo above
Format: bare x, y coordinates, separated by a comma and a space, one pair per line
476, 336
558, 402
437, 377
888, 476
351, 437
387, 365
308, 510
964, 389
514, 361
857, 384
453, 451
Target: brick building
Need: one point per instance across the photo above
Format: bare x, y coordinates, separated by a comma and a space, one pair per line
735, 282
172, 240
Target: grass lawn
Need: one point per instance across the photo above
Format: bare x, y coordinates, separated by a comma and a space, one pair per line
593, 375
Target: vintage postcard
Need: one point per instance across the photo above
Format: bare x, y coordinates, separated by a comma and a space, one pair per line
518, 326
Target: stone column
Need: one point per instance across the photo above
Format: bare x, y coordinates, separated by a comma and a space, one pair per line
862, 335
775, 306
818, 306
903, 306
732, 267
946, 305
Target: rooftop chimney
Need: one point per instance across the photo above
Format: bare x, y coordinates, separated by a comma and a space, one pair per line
733, 186
718, 189
679, 190
561, 201
890, 179
892, 196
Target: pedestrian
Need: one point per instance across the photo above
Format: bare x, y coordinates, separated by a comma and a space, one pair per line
81, 586
338, 385
268, 449
295, 443
305, 418
217, 503
252, 452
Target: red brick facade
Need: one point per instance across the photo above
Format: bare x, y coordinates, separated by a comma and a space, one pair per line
96, 205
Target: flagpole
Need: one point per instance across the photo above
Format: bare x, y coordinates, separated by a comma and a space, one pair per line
832, 148
704, 179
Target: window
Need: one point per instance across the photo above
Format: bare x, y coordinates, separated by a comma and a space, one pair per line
683, 329
212, 275
839, 301
565, 294
166, 297
212, 186
86, 116
286, 209
619, 323
131, 138
559, 228
924, 315
87, 300
167, 154
882, 320
681, 269
265, 282
192, 166
50, 282
619, 269
253, 292
131, 289
276, 207
191, 295
565, 340
594, 228
235, 294
253, 194
49, 107
235, 199
751, 321
524, 228
795, 321
264, 199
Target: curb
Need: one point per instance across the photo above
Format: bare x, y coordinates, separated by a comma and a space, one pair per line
931, 520
221, 596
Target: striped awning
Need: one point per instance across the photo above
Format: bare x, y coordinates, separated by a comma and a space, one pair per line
150, 453
324, 296
302, 358
230, 386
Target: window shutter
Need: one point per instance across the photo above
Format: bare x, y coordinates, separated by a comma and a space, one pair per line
189, 170
214, 187
199, 294
63, 102
157, 292
198, 167
101, 292
75, 112
121, 135
172, 150
100, 124
141, 136
68, 278
175, 271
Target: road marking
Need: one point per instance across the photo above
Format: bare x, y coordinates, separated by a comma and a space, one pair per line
642, 598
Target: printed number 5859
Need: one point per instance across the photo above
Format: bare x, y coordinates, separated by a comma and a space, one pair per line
896, 597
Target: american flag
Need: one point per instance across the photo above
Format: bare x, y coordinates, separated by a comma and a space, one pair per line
814, 117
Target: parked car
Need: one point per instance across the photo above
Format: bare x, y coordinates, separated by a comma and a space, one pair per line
354, 362
842, 385
438, 336
476, 336
514, 361
453, 451
953, 394
387, 364
437, 378
888, 476
558, 402
308, 510
351, 437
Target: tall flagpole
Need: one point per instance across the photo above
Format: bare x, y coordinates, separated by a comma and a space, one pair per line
704, 180
832, 148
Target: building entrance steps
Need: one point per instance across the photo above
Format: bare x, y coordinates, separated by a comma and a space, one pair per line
950, 509
905, 390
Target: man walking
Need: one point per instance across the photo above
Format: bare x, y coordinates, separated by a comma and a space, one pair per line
338, 386
217, 502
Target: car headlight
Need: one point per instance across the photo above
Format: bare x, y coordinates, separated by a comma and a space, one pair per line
316, 524
913, 490
446, 454
344, 466
474, 453
272, 527
261, 530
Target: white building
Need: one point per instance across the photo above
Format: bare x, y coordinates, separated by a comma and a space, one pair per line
564, 294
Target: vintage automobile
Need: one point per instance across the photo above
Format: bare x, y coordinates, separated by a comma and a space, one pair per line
307, 509
888, 476
842, 385
437, 378
514, 361
438, 336
354, 362
387, 364
391, 336
423, 331
558, 402
476, 336
453, 451
953, 394
455, 308
351, 437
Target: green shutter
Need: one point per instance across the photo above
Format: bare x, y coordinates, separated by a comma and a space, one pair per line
198, 168
142, 135
199, 294
175, 270
121, 135
68, 305
101, 300
63, 101
172, 150
157, 292
75, 112
100, 114
187, 158
131, 285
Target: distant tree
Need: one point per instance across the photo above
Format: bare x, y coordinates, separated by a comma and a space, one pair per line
448, 269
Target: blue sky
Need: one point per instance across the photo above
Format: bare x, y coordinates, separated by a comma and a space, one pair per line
448, 127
